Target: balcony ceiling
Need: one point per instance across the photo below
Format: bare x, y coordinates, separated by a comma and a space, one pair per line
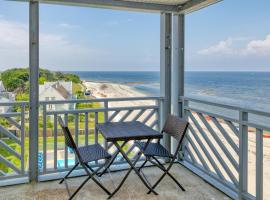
175, 6
164, 2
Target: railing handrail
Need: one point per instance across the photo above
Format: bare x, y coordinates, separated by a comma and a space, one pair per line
101, 100
226, 106
181, 98
92, 110
12, 103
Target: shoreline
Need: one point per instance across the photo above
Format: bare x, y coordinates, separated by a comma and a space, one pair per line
110, 90
116, 90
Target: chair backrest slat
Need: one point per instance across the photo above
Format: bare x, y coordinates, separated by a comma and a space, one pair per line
69, 139
175, 127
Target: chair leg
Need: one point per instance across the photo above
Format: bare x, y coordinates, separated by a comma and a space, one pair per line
94, 179
90, 176
142, 165
111, 161
158, 181
101, 186
78, 189
166, 171
66, 176
85, 181
179, 185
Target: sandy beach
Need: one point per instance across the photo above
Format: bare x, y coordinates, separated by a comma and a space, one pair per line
111, 90
114, 90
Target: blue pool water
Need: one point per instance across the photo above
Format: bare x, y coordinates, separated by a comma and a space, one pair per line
61, 163
71, 162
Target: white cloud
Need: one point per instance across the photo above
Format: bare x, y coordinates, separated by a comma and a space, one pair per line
55, 49
223, 47
67, 25
258, 47
119, 22
236, 47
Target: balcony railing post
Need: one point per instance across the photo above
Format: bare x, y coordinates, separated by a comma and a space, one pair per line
22, 138
34, 87
184, 103
259, 164
243, 154
157, 103
165, 71
44, 139
106, 106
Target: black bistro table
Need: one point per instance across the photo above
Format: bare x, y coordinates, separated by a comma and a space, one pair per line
116, 132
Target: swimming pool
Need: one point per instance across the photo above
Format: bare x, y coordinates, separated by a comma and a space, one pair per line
61, 163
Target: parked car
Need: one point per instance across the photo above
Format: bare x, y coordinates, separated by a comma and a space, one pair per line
87, 93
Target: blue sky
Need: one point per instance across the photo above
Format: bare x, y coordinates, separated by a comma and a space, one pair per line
229, 36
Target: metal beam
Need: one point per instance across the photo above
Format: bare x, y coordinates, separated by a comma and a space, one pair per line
115, 4
194, 5
165, 71
177, 66
34, 86
188, 7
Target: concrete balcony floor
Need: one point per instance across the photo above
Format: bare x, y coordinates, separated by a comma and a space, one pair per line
196, 188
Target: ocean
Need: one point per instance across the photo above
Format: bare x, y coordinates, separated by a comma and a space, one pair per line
244, 89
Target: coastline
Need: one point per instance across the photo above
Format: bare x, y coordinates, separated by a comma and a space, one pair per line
111, 90
116, 90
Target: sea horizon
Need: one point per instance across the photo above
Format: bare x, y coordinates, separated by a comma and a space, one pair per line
238, 88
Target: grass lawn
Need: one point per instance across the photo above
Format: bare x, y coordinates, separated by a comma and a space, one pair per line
76, 87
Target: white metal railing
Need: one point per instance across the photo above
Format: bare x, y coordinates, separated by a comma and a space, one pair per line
54, 154
12, 142
217, 145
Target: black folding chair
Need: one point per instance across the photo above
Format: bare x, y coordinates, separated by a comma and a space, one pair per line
175, 127
84, 155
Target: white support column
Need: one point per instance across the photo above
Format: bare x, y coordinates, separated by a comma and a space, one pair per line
34, 86
178, 66
165, 70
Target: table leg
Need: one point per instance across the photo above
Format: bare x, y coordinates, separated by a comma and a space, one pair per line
132, 167
111, 160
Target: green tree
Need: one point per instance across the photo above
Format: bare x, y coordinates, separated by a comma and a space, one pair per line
72, 77
41, 80
15, 78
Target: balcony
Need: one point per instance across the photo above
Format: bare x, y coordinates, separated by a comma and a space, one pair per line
223, 155
212, 148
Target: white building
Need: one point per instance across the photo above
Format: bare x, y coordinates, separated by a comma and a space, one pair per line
61, 90
4, 109
6, 97
2, 87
